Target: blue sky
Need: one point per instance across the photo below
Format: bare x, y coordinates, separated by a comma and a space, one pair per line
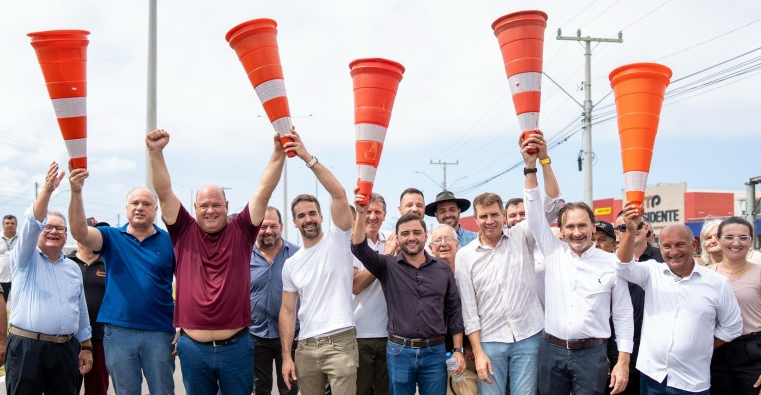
453, 103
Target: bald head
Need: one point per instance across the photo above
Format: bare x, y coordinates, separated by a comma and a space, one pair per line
212, 189
211, 209
679, 230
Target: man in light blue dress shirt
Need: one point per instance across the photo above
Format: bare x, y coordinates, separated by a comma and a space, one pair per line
267, 260
49, 342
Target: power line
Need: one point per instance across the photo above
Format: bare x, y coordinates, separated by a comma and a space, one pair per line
709, 40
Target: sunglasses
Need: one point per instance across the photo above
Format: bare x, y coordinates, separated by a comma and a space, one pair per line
622, 228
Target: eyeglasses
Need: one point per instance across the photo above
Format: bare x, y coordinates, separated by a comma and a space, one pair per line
622, 228
442, 241
731, 239
50, 228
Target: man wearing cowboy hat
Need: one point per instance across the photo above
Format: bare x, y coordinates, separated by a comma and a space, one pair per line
447, 209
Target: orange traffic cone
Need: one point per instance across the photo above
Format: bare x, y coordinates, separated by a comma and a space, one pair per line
375, 84
638, 89
521, 41
62, 55
255, 42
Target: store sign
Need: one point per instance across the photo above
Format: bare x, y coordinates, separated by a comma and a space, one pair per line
603, 210
664, 205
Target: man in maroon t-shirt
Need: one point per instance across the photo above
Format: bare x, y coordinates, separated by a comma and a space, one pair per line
213, 308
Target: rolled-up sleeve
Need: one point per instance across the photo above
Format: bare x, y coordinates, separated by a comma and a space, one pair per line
85, 330
730, 324
453, 307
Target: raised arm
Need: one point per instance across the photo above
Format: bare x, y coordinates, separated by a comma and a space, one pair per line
632, 219
162, 183
258, 203
89, 237
551, 187
52, 181
535, 218
339, 203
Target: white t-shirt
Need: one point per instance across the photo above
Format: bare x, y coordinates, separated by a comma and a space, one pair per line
370, 313
322, 275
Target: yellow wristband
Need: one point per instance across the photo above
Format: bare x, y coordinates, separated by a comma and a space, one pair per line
545, 161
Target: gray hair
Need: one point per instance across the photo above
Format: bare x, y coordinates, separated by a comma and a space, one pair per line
155, 197
57, 214
705, 257
448, 228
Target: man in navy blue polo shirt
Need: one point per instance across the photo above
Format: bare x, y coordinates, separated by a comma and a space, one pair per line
137, 307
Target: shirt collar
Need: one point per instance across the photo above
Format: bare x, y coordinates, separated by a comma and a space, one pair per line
428, 258
504, 236
696, 270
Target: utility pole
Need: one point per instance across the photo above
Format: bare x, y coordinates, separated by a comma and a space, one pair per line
751, 211
150, 117
445, 164
588, 103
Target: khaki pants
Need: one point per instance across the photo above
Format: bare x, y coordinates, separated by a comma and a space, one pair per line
334, 358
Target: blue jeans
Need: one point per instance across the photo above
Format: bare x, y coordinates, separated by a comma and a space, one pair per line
425, 367
649, 386
132, 353
207, 369
519, 361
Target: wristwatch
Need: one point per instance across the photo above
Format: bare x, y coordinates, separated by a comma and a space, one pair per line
311, 162
527, 171
86, 348
460, 350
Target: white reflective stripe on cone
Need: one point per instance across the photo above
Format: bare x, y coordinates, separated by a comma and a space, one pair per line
270, 90
282, 125
528, 121
635, 180
77, 147
70, 107
366, 173
370, 132
524, 82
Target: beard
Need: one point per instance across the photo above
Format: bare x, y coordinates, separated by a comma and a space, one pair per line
310, 234
267, 241
409, 251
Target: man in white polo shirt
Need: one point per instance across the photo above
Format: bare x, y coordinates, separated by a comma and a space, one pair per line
689, 311
370, 309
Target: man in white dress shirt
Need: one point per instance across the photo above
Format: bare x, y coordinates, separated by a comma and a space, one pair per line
689, 311
501, 303
582, 291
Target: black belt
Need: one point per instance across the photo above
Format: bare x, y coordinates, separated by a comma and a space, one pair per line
416, 343
216, 343
573, 344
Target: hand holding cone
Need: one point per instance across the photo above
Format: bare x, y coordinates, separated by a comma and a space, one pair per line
255, 42
639, 89
521, 41
62, 55
375, 84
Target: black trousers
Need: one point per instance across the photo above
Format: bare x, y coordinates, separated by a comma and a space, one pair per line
265, 352
581, 372
33, 367
735, 366
6, 291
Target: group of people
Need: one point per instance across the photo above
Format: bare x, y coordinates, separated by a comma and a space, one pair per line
520, 306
